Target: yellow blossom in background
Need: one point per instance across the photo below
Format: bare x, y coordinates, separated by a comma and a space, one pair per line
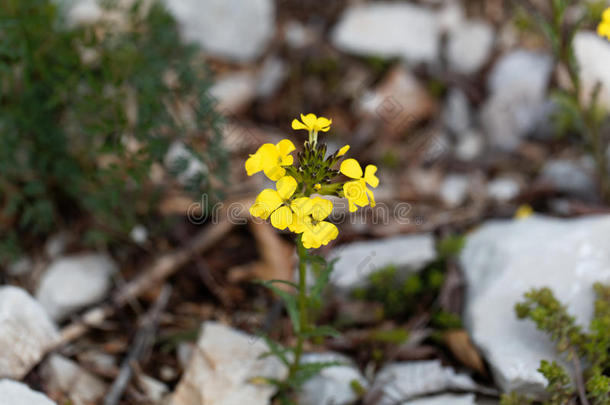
312, 123
270, 159
356, 192
309, 221
603, 29
276, 204
524, 211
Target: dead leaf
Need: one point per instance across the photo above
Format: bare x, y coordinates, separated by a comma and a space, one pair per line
277, 256
462, 348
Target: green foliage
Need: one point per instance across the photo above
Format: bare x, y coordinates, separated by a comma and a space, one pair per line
514, 399
593, 346
573, 113
85, 113
401, 294
559, 387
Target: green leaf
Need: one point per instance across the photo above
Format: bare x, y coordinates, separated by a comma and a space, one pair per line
323, 331
277, 350
285, 282
291, 305
309, 370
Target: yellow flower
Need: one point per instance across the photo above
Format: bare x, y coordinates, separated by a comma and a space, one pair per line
270, 158
603, 29
356, 192
276, 203
312, 123
317, 186
343, 150
309, 221
524, 211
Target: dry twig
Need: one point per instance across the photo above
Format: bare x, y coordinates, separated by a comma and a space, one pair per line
143, 340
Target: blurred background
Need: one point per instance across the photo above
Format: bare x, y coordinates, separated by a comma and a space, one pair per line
124, 128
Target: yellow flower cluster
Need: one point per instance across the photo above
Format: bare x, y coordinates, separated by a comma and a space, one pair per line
296, 203
603, 29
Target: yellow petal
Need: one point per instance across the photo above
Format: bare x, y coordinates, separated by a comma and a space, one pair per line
369, 176
606, 14
603, 29
281, 218
343, 150
296, 124
284, 147
321, 208
300, 224
354, 191
268, 153
286, 186
274, 172
309, 120
253, 164
371, 197
286, 160
351, 168
326, 232
310, 239
323, 124
301, 206
352, 206
266, 202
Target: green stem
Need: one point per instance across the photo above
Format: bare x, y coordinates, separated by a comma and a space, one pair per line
302, 305
587, 115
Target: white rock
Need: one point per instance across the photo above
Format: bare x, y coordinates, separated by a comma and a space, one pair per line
16, 393
570, 178
358, 260
20, 267
57, 244
297, 35
223, 363
454, 190
234, 91
26, 332
83, 12
457, 112
521, 67
152, 388
518, 84
389, 30
139, 234
451, 16
503, 189
446, 399
71, 283
179, 157
504, 259
237, 30
332, 386
399, 101
66, 377
593, 57
469, 146
270, 78
402, 381
469, 46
